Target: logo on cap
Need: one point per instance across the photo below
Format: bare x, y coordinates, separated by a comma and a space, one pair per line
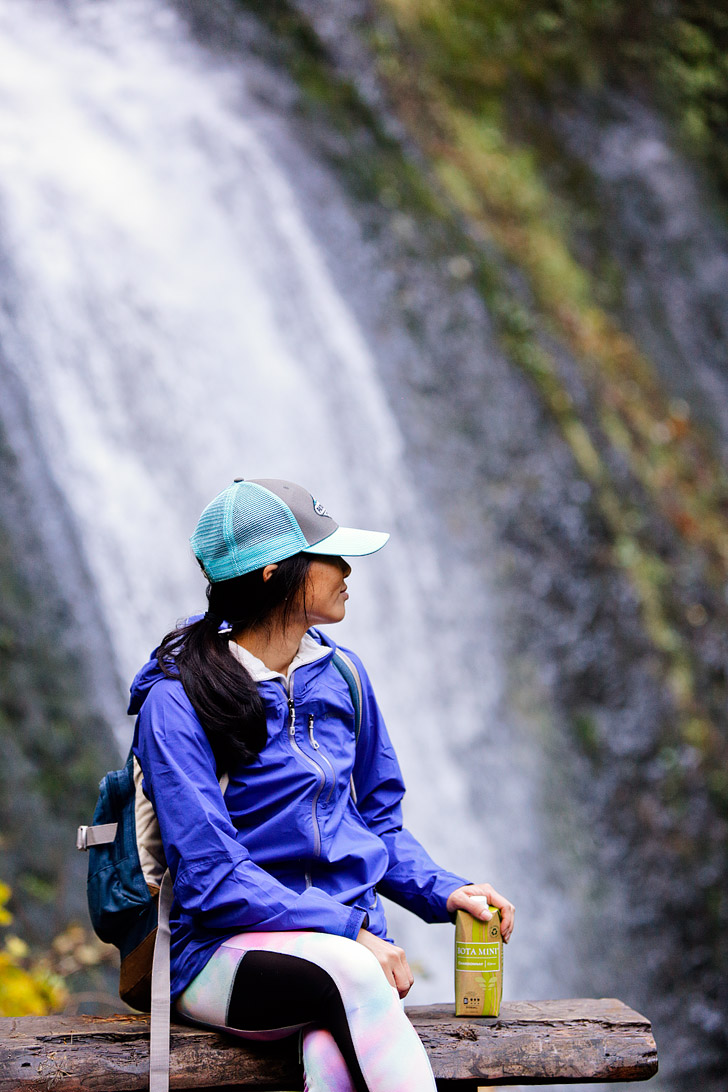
319, 509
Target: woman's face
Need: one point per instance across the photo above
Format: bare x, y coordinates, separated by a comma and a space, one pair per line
326, 592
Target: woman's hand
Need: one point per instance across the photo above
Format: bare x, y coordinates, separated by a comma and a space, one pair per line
462, 899
392, 960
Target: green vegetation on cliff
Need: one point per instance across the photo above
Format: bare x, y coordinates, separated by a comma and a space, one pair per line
673, 53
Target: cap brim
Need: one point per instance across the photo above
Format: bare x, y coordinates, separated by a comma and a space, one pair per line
349, 542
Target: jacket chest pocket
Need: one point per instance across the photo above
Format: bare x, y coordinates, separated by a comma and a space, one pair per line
333, 736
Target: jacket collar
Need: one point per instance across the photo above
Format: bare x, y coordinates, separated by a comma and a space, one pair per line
309, 650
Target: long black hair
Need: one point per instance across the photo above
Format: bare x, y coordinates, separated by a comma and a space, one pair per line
223, 694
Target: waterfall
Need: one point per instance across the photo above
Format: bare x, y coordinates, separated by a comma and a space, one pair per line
172, 322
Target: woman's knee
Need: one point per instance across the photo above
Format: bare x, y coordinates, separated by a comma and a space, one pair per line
354, 968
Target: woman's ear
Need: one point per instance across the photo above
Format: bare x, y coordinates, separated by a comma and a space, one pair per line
268, 572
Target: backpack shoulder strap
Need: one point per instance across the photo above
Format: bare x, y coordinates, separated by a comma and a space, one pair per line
160, 1014
348, 670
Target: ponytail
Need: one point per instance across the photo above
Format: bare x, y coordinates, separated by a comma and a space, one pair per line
223, 693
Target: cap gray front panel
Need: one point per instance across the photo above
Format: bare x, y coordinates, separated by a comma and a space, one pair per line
313, 525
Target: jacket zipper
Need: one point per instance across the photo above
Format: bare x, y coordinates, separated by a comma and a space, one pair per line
319, 773
316, 746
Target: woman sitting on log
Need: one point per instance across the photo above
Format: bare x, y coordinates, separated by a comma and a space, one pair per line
277, 924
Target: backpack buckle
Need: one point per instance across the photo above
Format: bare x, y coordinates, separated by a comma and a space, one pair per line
100, 835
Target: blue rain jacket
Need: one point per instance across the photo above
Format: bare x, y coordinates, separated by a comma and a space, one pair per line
287, 847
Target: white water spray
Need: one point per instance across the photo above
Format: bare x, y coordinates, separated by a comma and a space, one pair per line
175, 325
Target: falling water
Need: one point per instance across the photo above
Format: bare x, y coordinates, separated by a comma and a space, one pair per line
172, 322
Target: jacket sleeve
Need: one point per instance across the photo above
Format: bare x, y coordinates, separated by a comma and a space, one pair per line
215, 879
412, 879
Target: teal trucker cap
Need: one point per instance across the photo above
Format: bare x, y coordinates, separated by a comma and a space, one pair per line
264, 520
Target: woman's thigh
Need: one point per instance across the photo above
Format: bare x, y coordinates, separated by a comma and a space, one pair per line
353, 970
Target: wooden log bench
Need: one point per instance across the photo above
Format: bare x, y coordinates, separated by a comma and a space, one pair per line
531, 1042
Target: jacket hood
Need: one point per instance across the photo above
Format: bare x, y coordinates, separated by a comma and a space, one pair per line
143, 682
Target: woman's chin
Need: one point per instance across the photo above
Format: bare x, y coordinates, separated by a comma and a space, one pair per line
330, 618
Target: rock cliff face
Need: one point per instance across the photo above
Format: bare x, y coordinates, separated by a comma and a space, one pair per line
520, 206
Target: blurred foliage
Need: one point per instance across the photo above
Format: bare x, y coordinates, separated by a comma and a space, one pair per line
685, 45
28, 985
675, 51
35, 983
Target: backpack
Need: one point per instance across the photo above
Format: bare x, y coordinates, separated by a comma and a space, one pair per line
130, 892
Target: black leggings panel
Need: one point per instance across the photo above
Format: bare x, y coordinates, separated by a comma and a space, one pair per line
272, 990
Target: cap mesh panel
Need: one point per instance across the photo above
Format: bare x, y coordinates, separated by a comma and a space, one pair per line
208, 540
244, 528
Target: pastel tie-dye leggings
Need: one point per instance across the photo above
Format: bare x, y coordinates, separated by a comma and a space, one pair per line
390, 1055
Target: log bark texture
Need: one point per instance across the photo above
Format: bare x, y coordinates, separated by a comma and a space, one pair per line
531, 1042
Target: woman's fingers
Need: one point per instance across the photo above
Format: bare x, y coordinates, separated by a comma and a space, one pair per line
507, 913
392, 960
403, 977
475, 897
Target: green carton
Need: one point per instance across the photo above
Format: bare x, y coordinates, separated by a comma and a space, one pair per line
478, 964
